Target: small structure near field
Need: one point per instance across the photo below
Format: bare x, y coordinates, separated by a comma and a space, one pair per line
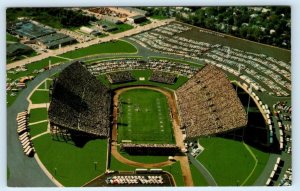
137, 19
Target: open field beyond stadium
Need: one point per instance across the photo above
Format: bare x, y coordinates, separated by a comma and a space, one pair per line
106, 47
220, 155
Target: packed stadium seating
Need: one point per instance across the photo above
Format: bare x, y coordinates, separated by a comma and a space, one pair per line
208, 104
80, 102
163, 77
120, 77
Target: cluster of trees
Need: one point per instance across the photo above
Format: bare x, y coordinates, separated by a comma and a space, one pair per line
54, 17
269, 25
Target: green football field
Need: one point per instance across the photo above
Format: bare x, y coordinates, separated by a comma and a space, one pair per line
144, 117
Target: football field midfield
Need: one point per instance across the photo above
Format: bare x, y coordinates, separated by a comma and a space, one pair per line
144, 117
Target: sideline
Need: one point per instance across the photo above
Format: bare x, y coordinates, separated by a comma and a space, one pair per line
34, 123
56, 182
41, 134
256, 162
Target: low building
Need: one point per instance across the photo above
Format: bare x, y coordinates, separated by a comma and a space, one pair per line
89, 31
55, 40
17, 49
137, 19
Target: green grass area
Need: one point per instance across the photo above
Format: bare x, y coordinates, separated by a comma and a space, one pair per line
262, 158
175, 170
34, 66
38, 114
122, 27
31, 68
109, 58
144, 117
105, 47
11, 38
10, 99
74, 165
198, 178
144, 158
46, 84
228, 161
238, 43
40, 97
117, 165
38, 128
146, 74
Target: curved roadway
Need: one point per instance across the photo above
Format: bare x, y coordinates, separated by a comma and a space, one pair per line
24, 171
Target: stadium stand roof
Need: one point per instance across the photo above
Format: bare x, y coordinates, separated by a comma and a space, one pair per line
208, 104
80, 102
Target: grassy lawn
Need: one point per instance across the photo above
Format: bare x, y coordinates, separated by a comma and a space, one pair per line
46, 84
122, 27
38, 128
40, 97
11, 38
105, 47
175, 170
146, 74
10, 99
262, 158
74, 165
144, 117
38, 115
34, 66
198, 178
117, 165
88, 62
144, 158
221, 155
30, 72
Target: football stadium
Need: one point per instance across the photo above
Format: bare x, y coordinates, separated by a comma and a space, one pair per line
159, 107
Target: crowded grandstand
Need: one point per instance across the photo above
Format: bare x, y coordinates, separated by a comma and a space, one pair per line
79, 102
209, 105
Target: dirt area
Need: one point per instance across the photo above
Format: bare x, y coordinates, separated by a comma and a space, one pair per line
186, 173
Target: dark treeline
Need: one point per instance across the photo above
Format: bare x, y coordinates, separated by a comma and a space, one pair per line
268, 25
54, 17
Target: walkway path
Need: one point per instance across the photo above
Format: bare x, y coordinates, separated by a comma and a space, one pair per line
34, 123
208, 177
24, 171
56, 52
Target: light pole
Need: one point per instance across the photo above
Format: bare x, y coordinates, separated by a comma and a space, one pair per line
95, 163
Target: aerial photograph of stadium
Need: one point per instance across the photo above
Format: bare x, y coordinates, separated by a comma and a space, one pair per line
148, 96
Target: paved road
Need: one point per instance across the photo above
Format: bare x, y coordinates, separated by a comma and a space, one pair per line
136, 30
24, 171
208, 177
